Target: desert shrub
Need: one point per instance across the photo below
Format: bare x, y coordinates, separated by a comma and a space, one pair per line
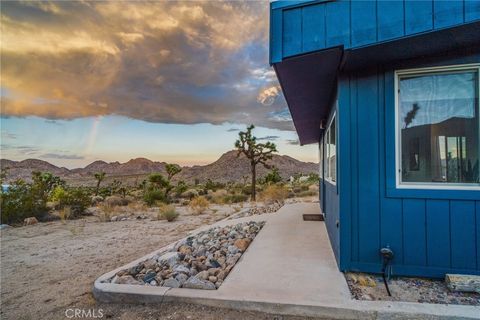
199, 205
106, 212
18, 203
116, 201
96, 200
180, 188
23, 200
235, 198
77, 199
214, 186
247, 189
272, 177
307, 193
65, 213
167, 212
300, 188
274, 193
189, 194
313, 178
153, 196
104, 192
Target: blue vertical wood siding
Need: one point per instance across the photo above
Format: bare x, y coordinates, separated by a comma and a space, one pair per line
462, 219
301, 27
364, 22
438, 233
430, 234
368, 174
472, 10
313, 28
292, 27
418, 16
391, 17
337, 23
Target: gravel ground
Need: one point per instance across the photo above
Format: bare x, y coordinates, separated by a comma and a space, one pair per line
370, 287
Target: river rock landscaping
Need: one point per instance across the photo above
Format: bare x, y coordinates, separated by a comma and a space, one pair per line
201, 261
371, 287
258, 210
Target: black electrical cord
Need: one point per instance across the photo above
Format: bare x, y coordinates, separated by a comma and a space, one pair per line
387, 255
385, 279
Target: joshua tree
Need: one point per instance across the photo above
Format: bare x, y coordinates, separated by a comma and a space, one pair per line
99, 176
411, 115
256, 153
172, 169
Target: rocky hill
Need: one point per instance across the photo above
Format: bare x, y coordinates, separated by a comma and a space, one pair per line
227, 168
230, 168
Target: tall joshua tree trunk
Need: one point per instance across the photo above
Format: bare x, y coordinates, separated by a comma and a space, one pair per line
255, 152
254, 181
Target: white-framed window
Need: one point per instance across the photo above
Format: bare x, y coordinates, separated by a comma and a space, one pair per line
437, 127
330, 142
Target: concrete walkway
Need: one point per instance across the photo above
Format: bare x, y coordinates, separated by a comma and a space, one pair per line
290, 261
288, 269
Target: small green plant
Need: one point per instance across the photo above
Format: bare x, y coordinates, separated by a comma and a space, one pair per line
167, 212
199, 205
272, 177
153, 196
77, 199
180, 188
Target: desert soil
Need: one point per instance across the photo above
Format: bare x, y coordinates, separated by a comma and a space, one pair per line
50, 267
370, 287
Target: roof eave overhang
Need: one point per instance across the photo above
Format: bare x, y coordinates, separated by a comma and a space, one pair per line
308, 82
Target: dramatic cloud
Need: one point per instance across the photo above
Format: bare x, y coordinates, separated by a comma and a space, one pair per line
169, 62
268, 95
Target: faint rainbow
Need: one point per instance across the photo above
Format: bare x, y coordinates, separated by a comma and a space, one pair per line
92, 135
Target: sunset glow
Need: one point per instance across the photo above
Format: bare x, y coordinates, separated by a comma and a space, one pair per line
169, 81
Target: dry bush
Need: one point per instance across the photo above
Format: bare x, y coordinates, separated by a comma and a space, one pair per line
137, 206
106, 212
199, 205
65, 214
167, 212
218, 196
274, 193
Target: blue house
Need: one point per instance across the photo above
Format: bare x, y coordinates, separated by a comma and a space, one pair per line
390, 92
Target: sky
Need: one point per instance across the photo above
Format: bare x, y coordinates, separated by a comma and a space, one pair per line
168, 81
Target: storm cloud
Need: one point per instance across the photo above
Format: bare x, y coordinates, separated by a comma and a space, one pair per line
166, 62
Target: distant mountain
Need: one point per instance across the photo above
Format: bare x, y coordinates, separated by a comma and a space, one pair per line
228, 167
